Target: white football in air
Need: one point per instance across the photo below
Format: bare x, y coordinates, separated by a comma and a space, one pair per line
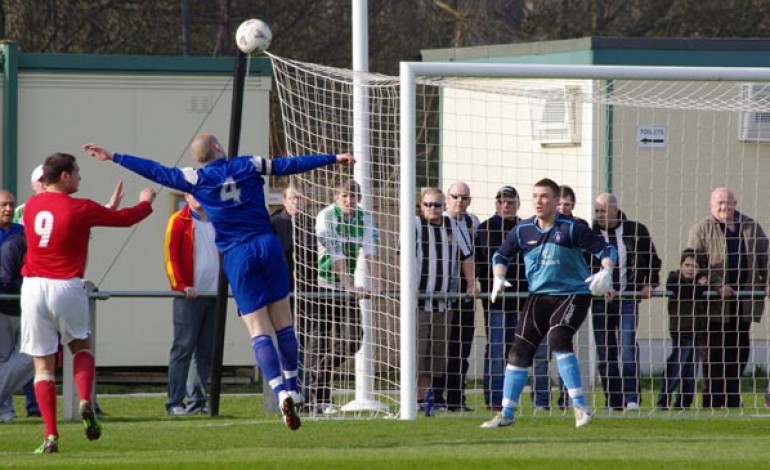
253, 36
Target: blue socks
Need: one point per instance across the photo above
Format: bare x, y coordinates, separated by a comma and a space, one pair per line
267, 358
289, 356
569, 370
513, 385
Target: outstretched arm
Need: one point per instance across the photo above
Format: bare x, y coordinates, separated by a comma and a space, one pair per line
301, 164
97, 151
346, 159
181, 180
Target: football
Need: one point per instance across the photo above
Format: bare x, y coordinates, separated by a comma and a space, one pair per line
253, 36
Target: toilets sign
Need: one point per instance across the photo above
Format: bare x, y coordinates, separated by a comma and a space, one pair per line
651, 137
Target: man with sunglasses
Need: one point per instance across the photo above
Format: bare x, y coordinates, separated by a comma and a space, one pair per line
461, 330
442, 253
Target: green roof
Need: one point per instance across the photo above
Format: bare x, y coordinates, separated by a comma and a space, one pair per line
709, 52
78, 63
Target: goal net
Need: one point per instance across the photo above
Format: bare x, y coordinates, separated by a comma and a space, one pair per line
659, 143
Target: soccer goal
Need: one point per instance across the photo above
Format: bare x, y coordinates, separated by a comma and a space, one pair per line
659, 139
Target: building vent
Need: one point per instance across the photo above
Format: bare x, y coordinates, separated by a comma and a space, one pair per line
754, 126
554, 116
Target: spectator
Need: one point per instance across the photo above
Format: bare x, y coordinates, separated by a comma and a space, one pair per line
343, 230
231, 192
462, 329
686, 325
36, 184
295, 232
567, 203
500, 317
615, 321
192, 267
54, 303
552, 246
736, 248
442, 252
16, 368
282, 222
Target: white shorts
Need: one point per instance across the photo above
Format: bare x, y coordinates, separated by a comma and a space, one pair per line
50, 309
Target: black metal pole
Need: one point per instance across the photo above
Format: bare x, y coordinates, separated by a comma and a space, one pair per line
220, 318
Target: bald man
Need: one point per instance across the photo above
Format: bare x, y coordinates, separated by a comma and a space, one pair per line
461, 331
737, 251
231, 192
615, 321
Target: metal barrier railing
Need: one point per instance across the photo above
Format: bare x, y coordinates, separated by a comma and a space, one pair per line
69, 392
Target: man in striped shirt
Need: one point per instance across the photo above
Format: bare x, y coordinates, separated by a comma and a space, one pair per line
442, 253
464, 319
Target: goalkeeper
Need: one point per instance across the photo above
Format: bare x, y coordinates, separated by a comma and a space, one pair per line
560, 292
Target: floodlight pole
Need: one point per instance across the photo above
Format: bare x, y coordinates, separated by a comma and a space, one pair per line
220, 317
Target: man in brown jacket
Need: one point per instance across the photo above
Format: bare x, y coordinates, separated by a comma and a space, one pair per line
737, 251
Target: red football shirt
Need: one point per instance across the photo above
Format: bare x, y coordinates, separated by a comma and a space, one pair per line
58, 226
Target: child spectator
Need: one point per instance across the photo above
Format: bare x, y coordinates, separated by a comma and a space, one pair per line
686, 323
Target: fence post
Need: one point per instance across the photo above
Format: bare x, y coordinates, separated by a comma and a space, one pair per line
70, 397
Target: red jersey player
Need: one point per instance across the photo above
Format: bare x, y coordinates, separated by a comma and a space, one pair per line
54, 303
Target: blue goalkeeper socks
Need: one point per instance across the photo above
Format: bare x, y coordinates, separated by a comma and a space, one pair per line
513, 385
569, 370
288, 347
267, 358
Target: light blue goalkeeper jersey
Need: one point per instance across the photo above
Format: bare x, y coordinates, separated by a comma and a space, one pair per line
553, 258
230, 191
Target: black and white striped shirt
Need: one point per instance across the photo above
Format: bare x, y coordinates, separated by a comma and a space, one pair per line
468, 224
440, 248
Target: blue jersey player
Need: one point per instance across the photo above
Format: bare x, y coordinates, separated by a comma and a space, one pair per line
559, 295
231, 193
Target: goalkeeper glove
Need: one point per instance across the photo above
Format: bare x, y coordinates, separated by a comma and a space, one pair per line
600, 282
497, 286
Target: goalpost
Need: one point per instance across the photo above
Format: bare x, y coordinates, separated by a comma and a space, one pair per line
659, 138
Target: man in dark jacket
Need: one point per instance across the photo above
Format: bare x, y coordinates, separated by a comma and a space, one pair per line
615, 322
500, 317
295, 231
15, 367
289, 224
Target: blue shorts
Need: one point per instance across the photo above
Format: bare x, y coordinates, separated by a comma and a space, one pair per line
257, 272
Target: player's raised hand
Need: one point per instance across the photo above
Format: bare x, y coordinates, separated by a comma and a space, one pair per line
147, 194
117, 196
346, 159
97, 151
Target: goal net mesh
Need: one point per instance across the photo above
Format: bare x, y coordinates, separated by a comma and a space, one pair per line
660, 147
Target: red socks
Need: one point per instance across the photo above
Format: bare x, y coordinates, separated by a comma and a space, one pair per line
84, 370
83, 366
45, 393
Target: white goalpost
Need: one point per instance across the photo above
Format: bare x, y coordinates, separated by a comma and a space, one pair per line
410, 73
659, 138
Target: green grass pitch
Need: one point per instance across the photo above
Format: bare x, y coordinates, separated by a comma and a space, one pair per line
138, 434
